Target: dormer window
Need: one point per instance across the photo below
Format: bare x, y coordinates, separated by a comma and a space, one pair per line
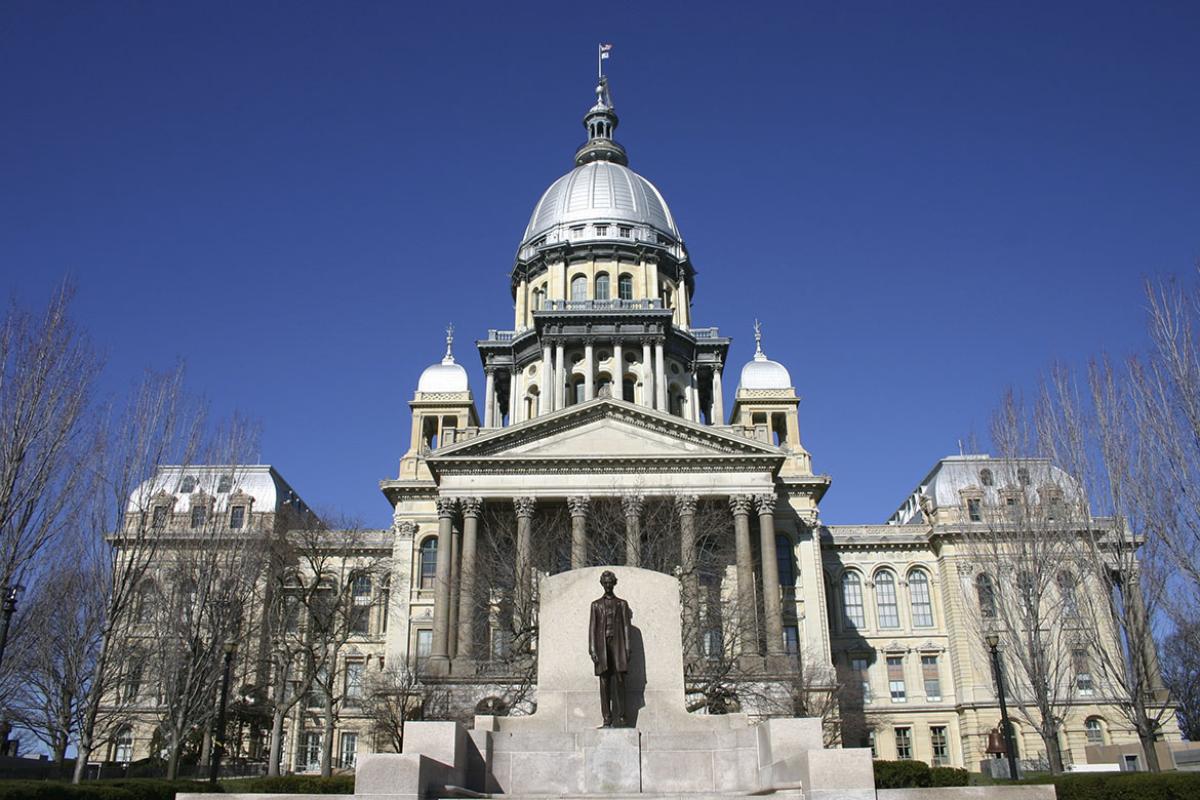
224, 484
187, 485
1023, 476
985, 477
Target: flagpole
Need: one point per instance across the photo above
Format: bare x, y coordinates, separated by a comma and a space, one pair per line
599, 62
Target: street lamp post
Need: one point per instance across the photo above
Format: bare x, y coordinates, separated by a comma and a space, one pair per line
8, 606
219, 737
993, 643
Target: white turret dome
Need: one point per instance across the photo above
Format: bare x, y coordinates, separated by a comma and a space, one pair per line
446, 376
761, 372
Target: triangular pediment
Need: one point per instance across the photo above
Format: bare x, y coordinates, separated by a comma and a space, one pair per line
606, 429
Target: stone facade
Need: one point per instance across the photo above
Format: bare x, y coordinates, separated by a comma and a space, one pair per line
605, 439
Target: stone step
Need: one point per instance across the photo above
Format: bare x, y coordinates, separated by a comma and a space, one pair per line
785, 794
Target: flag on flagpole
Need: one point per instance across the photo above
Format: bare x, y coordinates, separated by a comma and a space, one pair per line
604, 51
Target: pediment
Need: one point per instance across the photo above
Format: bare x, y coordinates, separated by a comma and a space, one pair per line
605, 429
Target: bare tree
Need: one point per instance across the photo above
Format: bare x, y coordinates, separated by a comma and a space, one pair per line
158, 425
1023, 532
1096, 438
325, 584
393, 697
1181, 673
63, 619
47, 370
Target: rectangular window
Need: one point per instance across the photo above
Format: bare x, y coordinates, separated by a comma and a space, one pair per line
933, 681
791, 639
940, 745
974, 512
871, 744
309, 757
895, 669
352, 692
159, 519
198, 516
1083, 673
424, 644
625, 231
903, 743
237, 517
348, 755
602, 230
860, 667
316, 692
712, 643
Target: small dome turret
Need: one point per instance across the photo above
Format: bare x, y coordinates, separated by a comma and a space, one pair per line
761, 372
446, 376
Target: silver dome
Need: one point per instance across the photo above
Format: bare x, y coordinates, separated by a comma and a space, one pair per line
761, 372
447, 376
601, 192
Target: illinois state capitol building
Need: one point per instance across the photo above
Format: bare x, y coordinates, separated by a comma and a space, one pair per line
605, 434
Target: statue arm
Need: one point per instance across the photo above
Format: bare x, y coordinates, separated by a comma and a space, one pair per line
592, 632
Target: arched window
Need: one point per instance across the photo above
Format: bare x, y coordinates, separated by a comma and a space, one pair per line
577, 391
783, 556
187, 485
986, 592
536, 300
885, 599
579, 287
852, 600
428, 563
1027, 586
831, 602
1095, 731
601, 292
1070, 599
625, 287
627, 387
922, 601
123, 745
985, 477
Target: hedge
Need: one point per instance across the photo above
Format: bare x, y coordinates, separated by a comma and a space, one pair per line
902, 775
948, 776
1125, 785
144, 789
298, 784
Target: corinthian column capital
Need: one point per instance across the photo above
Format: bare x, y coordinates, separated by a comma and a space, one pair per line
740, 504
765, 503
471, 506
525, 506
632, 503
446, 506
406, 527
578, 505
685, 504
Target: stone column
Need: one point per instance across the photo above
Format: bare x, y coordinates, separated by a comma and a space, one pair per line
452, 622
647, 375
740, 505
693, 397
589, 390
772, 606
523, 591
618, 371
472, 508
660, 377
560, 377
685, 505
440, 649
718, 401
545, 399
489, 396
514, 394
632, 504
579, 543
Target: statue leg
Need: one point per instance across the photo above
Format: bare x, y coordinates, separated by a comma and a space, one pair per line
618, 692
606, 697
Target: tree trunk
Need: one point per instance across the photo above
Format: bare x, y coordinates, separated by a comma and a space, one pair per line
173, 760
1146, 737
276, 741
87, 728
327, 736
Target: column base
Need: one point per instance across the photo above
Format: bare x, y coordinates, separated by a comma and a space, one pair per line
438, 665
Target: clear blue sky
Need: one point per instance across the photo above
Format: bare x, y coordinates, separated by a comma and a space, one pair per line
924, 202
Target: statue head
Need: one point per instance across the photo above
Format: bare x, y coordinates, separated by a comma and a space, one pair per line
608, 580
